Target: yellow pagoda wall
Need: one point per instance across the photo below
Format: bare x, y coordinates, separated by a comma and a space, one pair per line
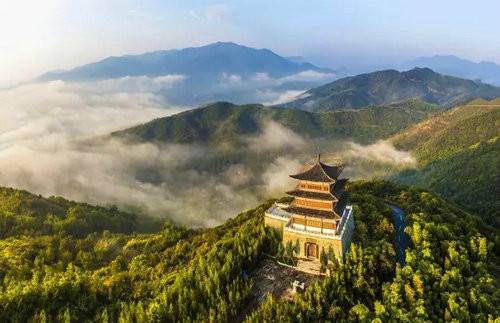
323, 243
274, 223
314, 222
313, 204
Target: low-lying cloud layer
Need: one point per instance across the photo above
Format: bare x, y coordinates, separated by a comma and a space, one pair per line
381, 151
275, 136
76, 110
53, 141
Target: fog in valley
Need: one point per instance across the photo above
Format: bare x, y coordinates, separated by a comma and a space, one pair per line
54, 141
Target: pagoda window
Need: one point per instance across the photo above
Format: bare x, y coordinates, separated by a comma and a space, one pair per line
329, 225
314, 187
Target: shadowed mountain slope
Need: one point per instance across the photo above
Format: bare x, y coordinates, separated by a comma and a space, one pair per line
391, 86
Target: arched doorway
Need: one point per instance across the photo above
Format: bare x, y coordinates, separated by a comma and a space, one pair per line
312, 250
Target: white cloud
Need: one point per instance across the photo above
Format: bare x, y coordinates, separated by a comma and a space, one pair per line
381, 151
308, 75
230, 78
261, 76
128, 84
282, 97
217, 12
276, 178
50, 144
78, 109
53, 141
212, 13
275, 136
262, 88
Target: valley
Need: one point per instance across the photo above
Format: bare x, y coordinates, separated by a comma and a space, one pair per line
167, 222
63, 260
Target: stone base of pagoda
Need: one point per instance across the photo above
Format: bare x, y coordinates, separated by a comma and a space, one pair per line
311, 241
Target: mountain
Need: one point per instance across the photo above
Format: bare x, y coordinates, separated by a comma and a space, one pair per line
458, 155
246, 152
197, 62
391, 86
23, 213
217, 274
219, 71
226, 122
487, 72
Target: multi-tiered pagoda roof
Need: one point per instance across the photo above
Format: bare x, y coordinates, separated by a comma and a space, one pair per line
320, 193
320, 173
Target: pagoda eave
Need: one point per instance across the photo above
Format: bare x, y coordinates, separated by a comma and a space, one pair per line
312, 213
312, 195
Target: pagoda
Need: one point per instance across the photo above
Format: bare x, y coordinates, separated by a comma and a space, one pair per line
318, 219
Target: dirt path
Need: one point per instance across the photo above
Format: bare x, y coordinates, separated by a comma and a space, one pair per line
272, 278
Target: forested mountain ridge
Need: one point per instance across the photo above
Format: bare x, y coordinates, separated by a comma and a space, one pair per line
178, 274
23, 213
456, 129
223, 121
391, 86
458, 155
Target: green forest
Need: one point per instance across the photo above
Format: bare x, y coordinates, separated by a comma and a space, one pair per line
224, 122
457, 151
62, 261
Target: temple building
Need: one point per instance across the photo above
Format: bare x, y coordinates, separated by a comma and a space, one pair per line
318, 218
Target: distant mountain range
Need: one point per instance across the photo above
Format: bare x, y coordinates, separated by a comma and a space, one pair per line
225, 71
196, 62
487, 72
219, 71
391, 86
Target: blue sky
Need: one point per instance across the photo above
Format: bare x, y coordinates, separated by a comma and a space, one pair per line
37, 36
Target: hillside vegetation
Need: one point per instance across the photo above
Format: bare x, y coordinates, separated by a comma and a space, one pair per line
22, 213
458, 152
441, 280
178, 274
225, 122
391, 86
